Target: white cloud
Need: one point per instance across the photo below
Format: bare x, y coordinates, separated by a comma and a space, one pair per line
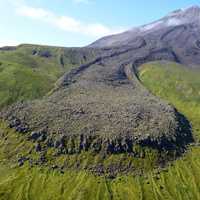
66, 23
33, 12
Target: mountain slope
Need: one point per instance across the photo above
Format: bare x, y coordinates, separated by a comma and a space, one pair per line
101, 105
179, 180
111, 128
30, 71
180, 17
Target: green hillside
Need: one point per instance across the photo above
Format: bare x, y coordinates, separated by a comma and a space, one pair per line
180, 180
30, 71
178, 85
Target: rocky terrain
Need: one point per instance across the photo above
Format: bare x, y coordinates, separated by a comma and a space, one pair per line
118, 119
102, 105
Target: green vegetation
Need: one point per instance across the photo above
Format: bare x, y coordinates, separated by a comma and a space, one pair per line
15, 146
178, 85
28, 72
180, 180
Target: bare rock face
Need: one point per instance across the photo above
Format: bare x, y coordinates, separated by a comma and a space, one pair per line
102, 105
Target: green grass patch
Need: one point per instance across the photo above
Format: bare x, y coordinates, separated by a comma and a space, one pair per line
176, 84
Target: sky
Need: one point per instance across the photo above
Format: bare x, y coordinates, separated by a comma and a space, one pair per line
77, 22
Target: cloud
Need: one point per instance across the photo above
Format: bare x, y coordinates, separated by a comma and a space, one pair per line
66, 23
33, 12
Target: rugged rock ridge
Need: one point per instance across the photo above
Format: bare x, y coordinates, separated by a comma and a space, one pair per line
101, 105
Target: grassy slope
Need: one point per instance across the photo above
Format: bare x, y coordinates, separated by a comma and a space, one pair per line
180, 181
178, 85
181, 87
24, 75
